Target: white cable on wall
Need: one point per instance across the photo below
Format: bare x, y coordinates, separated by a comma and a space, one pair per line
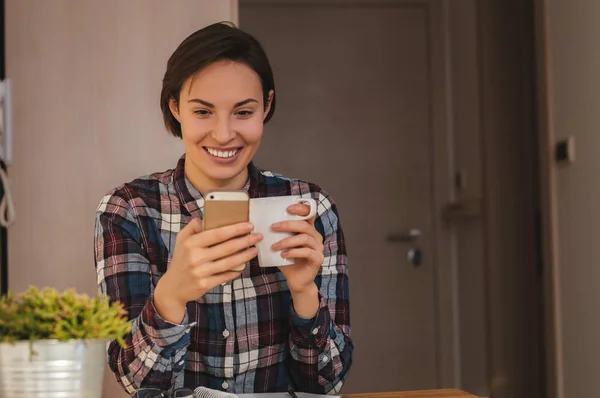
7, 207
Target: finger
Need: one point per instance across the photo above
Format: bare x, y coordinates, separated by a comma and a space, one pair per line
299, 209
192, 228
222, 234
313, 256
302, 210
231, 262
231, 246
218, 279
299, 240
295, 226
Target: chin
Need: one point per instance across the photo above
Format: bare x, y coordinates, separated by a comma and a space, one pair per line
225, 173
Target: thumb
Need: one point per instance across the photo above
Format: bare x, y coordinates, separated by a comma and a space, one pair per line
193, 227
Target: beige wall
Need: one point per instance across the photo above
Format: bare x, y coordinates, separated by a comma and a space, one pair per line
572, 100
86, 79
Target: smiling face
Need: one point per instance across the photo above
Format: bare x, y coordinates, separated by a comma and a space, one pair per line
221, 112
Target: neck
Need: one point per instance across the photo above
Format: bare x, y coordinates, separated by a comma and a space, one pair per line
206, 184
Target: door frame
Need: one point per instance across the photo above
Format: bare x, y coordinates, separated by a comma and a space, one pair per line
548, 199
446, 320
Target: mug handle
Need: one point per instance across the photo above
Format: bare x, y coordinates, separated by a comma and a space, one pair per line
313, 207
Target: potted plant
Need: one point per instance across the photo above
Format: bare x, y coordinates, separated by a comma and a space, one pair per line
54, 344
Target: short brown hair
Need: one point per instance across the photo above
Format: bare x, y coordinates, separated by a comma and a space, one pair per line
216, 42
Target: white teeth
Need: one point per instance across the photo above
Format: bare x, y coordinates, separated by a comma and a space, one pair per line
221, 154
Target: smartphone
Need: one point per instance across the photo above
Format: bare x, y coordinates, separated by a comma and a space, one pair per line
222, 208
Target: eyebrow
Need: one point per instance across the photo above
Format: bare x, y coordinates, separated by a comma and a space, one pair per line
236, 105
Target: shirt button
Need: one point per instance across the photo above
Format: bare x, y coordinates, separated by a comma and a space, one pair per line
225, 385
325, 359
315, 331
225, 333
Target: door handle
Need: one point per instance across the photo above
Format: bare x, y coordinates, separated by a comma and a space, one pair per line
415, 256
412, 235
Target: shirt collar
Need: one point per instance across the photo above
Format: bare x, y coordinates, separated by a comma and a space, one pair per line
192, 199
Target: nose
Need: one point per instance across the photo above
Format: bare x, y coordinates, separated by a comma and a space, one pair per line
222, 131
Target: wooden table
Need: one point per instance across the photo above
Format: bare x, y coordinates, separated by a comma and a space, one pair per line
451, 393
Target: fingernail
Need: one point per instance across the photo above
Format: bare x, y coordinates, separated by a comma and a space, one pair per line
284, 254
275, 246
276, 225
250, 226
258, 236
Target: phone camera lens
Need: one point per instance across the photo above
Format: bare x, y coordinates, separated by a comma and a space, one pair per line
211, 197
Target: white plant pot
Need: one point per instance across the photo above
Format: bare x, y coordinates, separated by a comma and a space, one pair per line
50, 368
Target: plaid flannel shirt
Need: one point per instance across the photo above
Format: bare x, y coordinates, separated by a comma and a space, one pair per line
241, 337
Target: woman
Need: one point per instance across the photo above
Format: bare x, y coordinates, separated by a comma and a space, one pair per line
195, 321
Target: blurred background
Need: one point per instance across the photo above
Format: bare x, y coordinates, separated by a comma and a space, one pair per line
445, 130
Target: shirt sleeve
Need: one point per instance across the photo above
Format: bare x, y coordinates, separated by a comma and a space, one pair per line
321, 347
155, 348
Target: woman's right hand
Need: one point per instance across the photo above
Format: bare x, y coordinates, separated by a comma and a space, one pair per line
202, 260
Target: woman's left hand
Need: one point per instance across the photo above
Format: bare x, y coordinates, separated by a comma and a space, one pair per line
305, 247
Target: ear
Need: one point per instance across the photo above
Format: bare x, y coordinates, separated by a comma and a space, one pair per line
174, 109
269, 102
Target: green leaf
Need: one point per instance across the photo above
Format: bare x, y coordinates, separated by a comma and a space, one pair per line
48, 314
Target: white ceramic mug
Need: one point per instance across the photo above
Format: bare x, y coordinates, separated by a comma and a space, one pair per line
264, 212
